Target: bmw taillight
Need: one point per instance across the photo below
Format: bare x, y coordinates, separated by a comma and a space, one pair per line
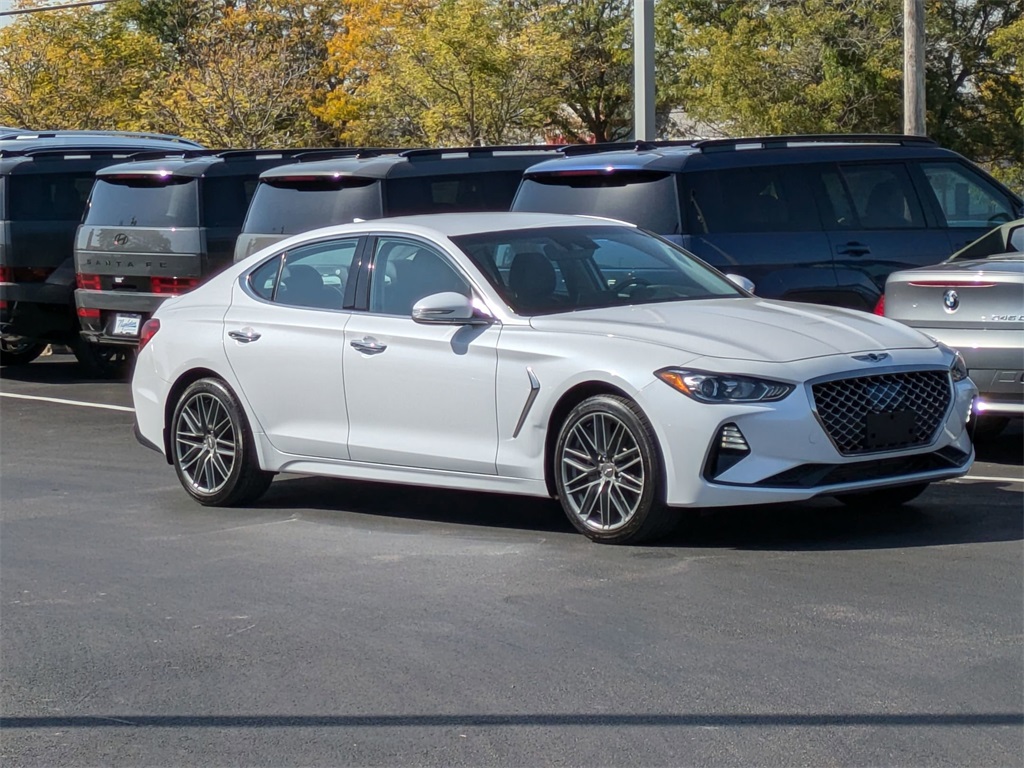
172, 286
88, 282
149, 329
880, 306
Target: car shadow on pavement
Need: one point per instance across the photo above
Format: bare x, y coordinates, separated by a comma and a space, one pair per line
58, 369
948, 513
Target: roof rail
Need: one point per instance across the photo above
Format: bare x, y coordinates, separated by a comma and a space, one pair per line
311, 155
258, 154
53, 134
436, 152
776, 142
171, 154
572, 150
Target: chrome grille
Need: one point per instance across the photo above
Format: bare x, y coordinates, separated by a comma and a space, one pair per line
917, 400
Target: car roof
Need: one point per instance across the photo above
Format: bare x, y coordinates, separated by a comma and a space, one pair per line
17, 140
396, 163
200, 163
458, 224
740, 152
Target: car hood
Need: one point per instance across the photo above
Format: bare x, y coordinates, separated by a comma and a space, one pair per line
742, 329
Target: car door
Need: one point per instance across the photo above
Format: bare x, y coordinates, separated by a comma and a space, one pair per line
284, 333
876, 224
418, 395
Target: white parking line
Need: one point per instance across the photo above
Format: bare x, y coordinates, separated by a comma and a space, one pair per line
998, 479
79, 403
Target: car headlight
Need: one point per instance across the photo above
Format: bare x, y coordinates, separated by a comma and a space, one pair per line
957, 366
722, 387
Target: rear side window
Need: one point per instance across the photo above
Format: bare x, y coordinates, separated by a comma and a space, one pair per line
966, 199
144, 201
48, 196
772, 199
289, 205
643, 198
487, 191
226, 199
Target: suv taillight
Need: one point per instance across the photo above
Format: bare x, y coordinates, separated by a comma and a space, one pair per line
149, 329
880, 306
173, 285
88, 282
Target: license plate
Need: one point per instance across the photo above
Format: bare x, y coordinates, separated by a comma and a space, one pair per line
890, 429
126, 325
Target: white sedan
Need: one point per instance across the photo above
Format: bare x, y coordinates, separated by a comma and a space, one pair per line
540, 355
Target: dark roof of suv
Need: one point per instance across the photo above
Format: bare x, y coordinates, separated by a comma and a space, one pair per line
378, 164
201, 163
19, 141
731, 153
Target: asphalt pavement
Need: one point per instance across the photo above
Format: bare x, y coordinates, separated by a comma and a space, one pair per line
338, 623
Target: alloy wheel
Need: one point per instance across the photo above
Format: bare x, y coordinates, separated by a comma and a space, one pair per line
602, 472
205, 443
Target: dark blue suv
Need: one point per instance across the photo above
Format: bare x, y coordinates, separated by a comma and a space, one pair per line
823, 219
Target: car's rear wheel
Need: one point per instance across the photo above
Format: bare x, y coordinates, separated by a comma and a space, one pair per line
883, 498
19, 350
212, 447
103, 361
607, 472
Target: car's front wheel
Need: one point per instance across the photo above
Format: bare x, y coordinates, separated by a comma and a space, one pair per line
607, 472
212, 447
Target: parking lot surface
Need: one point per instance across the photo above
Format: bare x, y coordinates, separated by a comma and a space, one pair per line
339, 623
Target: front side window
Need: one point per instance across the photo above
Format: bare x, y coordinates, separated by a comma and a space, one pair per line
405, 271
966, 199
559, 269
313, 276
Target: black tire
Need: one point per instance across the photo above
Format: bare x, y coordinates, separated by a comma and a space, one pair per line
19, 350
884, 498
988, 427
607, 472
102, 361
212, 447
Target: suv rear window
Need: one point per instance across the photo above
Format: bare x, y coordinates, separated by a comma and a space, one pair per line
48, 196
489, 191
289, 205
640, 197
144, 201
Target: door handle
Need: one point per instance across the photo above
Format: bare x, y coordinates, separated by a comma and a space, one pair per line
854, 249
245, 335
369, 345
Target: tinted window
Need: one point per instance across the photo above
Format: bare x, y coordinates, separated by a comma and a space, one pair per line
770, 199
263, 279
966, 199
404, 271
226, 199
489, 191
48, 197
646, 199
558, 269
290, 206
146, 201
881, 196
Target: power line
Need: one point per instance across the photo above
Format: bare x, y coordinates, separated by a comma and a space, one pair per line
41, 8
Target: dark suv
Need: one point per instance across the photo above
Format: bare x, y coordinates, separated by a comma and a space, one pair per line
368, 184
154, 228
45, 180
809, 218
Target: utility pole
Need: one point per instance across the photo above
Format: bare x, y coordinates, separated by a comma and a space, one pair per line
643, 70
913, 68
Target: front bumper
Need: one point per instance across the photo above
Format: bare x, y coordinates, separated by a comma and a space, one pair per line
791, 457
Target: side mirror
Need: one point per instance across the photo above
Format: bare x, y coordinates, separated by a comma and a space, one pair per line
448, 308
741, 282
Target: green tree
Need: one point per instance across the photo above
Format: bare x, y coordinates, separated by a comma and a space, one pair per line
455, 72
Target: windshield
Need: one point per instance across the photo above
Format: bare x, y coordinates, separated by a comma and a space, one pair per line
559, 269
